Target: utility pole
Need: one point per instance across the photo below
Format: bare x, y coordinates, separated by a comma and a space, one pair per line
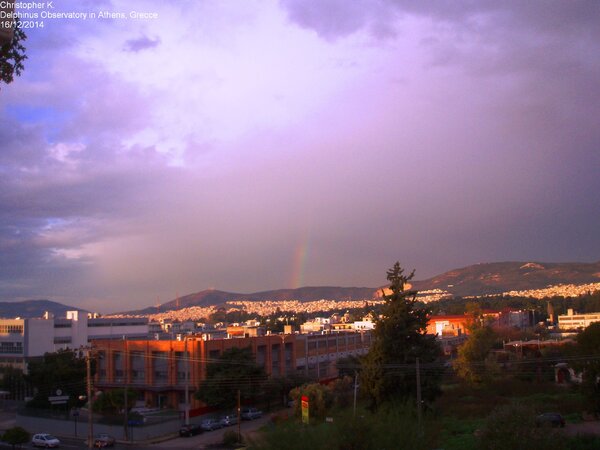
355, 391
239, 412
187, 383
418, 392
126, 403
88, 367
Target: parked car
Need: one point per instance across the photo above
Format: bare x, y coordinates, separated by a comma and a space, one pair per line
102, 440
550, 419
228, 420
210, 424
251, 413
190, 430
44, 440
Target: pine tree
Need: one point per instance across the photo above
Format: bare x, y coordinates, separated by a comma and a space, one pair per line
12, 55
389, 369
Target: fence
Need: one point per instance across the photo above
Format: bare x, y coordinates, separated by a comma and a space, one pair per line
38, 421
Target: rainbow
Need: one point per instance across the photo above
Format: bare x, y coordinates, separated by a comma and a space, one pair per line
299, 258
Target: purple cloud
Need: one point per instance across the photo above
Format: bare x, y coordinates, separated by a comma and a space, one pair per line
141, 43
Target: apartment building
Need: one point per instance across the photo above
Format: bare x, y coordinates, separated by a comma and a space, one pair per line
157, 368
572, 321
23, 339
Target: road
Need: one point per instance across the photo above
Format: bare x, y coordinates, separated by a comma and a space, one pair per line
210, 438
207, 439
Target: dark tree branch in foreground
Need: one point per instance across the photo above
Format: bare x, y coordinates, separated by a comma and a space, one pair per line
12, 56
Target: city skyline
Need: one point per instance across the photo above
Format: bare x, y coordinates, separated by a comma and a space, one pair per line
248, 146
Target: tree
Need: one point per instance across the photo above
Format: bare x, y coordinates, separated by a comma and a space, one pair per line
113, 401
15, 436
13, 381
235, 370
64, 370
588, 363
389, 369
473, 363
12, 55
348, 366
278, 388
320, 400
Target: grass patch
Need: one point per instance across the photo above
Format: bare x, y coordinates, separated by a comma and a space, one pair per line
462, 409
459, 434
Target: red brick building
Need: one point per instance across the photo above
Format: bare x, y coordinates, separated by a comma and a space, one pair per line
157, 368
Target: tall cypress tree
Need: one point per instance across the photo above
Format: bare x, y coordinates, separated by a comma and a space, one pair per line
389, 369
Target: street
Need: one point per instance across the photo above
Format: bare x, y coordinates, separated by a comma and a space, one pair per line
208, 438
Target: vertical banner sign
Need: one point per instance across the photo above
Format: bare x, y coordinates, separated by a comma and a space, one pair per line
304, 409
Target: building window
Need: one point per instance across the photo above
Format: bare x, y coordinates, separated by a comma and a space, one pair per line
181, 365
7, 329
138, 373
11, 347
160, 364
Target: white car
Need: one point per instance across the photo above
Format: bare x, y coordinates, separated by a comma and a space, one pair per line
44, 440
250, 413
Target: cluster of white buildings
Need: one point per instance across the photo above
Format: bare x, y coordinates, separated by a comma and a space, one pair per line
22, 339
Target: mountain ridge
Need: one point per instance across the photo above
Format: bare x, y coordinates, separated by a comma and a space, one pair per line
476, 279
473, 280
27, 309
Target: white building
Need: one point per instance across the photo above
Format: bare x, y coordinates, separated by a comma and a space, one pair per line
22, 339
360, 325
572, 321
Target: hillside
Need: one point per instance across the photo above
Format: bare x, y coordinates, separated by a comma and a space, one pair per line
33, 308
303, 294
478, 279
495, 278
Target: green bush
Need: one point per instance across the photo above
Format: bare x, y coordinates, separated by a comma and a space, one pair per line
512, 426
393, 427
584, 443
15, 436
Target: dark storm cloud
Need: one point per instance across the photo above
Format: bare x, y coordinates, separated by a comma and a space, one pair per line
540, 63
337, 18
141, 43
121, 178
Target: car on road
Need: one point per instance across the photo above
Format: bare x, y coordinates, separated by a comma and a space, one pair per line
190, 430
228, 419
210, 424
250, 413
103, 440
550, 419
44, 440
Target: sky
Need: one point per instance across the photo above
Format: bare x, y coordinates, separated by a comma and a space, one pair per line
251, 145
